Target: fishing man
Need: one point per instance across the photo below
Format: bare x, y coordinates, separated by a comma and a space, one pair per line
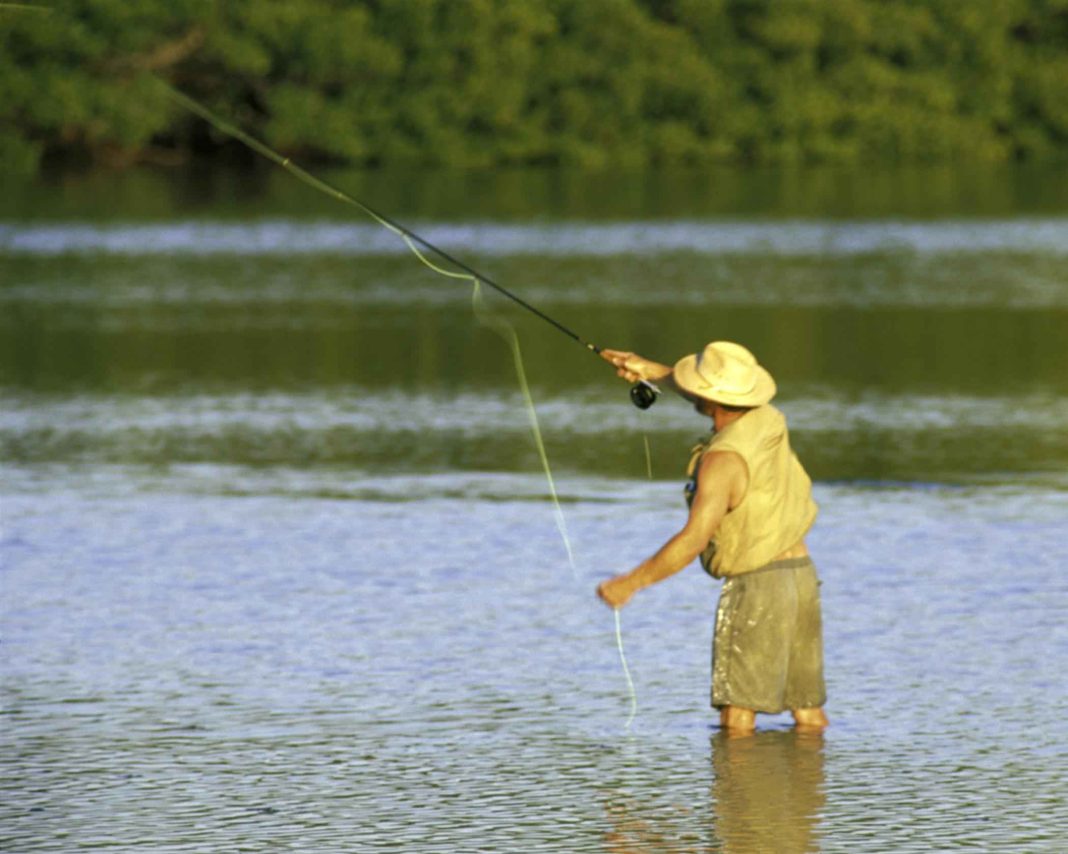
750, 508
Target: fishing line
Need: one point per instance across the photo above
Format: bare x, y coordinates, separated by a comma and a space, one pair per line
626, 672
619, 628
643, 394
505, 330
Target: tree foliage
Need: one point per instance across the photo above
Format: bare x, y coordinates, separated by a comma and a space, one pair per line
584, 82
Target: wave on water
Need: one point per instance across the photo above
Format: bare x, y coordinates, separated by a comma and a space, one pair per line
471, 415
943, 439
784, 237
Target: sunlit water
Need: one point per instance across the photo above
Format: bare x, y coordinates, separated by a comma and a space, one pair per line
279, 570
185, 671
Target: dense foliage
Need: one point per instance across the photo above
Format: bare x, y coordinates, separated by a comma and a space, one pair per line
584, 82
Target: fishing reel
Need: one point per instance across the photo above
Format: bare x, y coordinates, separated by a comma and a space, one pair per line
643, 394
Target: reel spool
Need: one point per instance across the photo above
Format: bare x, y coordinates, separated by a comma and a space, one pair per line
643, 394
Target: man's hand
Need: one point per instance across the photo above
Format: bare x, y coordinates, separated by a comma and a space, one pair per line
616, 592
634, 368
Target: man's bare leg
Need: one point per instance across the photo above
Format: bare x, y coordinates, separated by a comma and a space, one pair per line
810, 719
736, 719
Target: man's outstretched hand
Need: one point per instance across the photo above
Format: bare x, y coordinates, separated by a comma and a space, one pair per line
634, 368
615, 592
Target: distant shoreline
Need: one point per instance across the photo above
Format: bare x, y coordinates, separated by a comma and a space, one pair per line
620, 85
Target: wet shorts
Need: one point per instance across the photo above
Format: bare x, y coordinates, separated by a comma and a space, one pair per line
767, 652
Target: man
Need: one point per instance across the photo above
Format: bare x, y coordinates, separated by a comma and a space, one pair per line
750, 508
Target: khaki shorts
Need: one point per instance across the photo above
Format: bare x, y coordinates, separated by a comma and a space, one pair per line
767, 652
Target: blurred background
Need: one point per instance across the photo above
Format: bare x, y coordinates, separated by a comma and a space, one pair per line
872, 196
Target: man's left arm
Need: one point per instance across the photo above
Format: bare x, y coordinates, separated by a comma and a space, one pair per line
718, 483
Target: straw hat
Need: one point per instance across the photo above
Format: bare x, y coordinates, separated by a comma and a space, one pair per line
725, 373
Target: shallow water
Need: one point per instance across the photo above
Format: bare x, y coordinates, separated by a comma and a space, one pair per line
187, 670
279, 570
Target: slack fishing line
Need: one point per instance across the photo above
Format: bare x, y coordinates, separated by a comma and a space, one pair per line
643, 394
505, 330
626, 672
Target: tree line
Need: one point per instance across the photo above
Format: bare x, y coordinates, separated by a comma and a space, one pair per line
587, 83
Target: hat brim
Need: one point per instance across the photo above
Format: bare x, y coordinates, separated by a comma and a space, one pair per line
692, 383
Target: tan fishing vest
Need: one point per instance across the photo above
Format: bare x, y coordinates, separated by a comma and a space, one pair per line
777, 509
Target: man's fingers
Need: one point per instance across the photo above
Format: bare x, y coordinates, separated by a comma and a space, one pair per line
610, 595
616, 357
625, 363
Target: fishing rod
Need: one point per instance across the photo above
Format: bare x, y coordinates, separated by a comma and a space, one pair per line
643, 394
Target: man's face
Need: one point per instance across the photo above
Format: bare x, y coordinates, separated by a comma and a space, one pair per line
702, 406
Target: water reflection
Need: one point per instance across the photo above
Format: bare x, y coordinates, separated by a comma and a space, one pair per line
768, 790
767, 794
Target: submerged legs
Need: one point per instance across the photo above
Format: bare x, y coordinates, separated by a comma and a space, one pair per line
740, 721
810, 719
737, 720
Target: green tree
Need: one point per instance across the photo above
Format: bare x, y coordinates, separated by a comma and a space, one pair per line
584, 82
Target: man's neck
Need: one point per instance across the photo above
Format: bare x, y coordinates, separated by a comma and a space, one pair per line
722, 418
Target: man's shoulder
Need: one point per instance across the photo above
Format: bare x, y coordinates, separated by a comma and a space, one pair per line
722, 462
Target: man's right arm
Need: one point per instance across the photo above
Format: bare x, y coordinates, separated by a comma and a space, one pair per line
721, 484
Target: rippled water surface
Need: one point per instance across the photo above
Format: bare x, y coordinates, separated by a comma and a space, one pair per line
278, 569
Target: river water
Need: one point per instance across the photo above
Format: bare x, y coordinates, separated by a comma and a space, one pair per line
280, 571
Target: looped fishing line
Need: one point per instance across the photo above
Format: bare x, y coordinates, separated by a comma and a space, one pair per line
482, 313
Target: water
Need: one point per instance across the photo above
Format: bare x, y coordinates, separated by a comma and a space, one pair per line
279, 571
